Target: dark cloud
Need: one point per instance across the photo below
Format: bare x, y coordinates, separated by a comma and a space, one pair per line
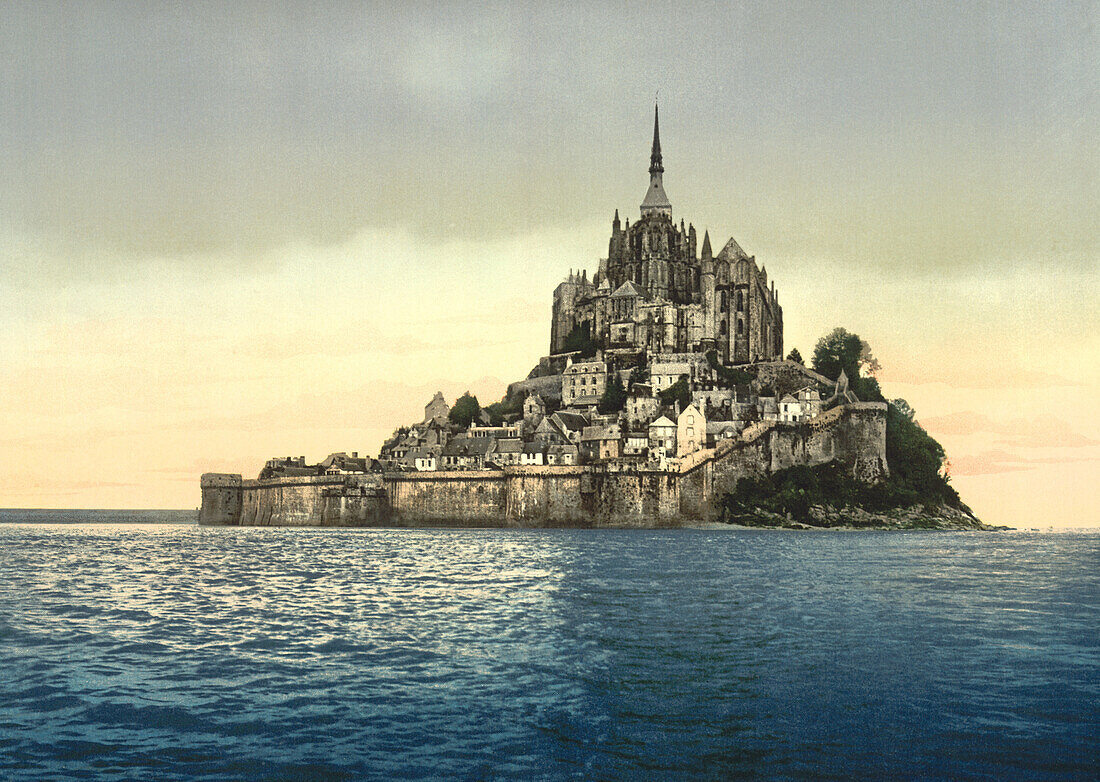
911, 136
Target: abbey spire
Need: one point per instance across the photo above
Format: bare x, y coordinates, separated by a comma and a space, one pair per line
656, 202
655, 166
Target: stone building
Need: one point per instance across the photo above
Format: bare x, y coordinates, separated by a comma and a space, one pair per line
657, 292
662, 437
691, 431
583, 383
437, 410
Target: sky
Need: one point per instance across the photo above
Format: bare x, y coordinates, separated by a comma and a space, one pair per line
233, 231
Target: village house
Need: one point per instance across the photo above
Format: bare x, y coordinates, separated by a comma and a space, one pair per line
534, 411
721, 430
790, 409
691, 431
534, 454
810, 399
288, 467
572, 424
636, 444
424, 460
505, 452
641, 407
662, 437
466, 453
583, 383
599, 443
562, 454
503, 431
342, 464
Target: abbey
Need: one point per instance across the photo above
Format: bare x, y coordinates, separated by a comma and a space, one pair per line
664, 386
656, 292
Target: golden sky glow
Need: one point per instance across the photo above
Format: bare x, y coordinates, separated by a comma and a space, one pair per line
228, 233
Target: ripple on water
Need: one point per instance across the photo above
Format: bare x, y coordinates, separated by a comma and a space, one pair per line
167, 652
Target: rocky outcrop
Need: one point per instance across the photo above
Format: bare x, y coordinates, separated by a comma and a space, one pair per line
917, 517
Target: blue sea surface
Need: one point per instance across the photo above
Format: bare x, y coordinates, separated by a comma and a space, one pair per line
178, 652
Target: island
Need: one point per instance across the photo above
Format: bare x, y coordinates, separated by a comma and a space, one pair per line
665, 400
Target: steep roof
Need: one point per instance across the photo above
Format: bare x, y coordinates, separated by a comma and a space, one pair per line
732, 251
627, 290
468, 446
655, 198
509, 445
692, 409
663, 421
574, 422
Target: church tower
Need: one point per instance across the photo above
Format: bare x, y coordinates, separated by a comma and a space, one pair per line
656, 202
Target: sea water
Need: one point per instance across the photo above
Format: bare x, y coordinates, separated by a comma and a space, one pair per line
176, 652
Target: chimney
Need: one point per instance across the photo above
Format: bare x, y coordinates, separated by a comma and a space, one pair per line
354, 454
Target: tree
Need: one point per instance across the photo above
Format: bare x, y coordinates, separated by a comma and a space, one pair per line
836, 351
917, 462
465, 410
614, 395
679, 391
727, 377
842, 350
507, 406
904, 408
795, 356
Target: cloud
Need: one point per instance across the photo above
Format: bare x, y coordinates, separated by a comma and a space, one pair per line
988, 463
961, 376
996, 461
1039, 432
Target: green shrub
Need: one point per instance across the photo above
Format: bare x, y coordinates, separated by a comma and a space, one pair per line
580, 340
465, 410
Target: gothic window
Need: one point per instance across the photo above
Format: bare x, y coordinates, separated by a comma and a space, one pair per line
740, 301
740, 326
725, 301
722, 329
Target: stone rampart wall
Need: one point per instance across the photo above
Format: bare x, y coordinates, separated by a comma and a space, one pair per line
461, 497
591, 496
221, 499
548, 387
